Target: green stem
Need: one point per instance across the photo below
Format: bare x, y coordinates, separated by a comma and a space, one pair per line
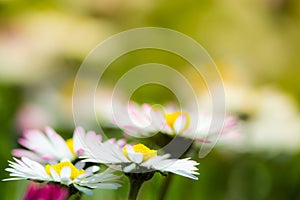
135, 186
165, 187
74, 194
137, 178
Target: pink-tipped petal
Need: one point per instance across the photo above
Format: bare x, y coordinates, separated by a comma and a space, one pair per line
112, 140
79, 151
203, 140
25, 153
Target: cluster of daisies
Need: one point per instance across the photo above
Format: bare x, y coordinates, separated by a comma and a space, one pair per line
86, 162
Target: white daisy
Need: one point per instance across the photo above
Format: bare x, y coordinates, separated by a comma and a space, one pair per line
51, 147
172, 121
48, 146
136, 158
64, 173
200, 127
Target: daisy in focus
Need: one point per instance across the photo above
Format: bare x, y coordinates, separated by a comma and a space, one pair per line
134, 159
65, 173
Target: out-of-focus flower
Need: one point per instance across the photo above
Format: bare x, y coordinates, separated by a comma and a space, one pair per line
277, 131
146, 121
32, 116
137, 158
241, 100
42, 191
64, 173
48, 146
273, 126
200, 127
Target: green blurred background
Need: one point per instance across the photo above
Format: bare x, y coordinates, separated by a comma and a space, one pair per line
255, 44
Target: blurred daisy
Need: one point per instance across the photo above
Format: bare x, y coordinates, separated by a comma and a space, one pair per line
144, 121
264, 132
31, 116
64, 173
137, 158
51, 147
201, 127
48, 146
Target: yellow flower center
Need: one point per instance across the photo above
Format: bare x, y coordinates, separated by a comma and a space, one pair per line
171, 118
140, 148
70, 144
58, 167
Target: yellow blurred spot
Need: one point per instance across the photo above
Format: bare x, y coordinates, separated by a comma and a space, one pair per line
171, 118
70, 144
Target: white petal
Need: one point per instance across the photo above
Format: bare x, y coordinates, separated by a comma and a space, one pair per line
36, 141
99, 152
79, 165
134, 156
78, 148
14, 179
54, 175
65, 174
179, 123
84, 189
25, 153
154, 160
105, 176
111, 186
121, 142
185, 174
129, 168
59, 144
91, 170
35, 166
27, 169
183, 167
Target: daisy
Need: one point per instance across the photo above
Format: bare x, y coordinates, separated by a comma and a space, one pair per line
134, 159
64, 173
47, 147
50, 147
174, 122
200, 127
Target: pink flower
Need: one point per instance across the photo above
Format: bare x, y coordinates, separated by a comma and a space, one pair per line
36, 191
